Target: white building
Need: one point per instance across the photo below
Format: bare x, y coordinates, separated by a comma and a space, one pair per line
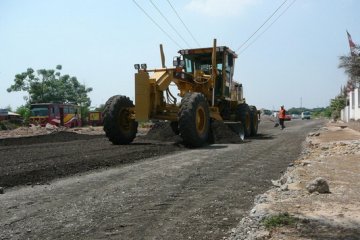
352, 110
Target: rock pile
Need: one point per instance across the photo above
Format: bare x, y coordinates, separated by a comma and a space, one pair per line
343, 148
319, 185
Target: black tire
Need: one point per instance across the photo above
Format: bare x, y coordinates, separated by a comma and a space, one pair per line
194, 120
118, 126
254, 120
243, 114
175, 127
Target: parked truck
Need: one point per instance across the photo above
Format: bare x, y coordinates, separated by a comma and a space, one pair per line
95, 118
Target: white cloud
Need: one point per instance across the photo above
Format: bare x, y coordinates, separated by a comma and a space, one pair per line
218, 8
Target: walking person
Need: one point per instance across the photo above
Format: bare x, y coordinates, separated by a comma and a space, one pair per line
282, 113
276, 119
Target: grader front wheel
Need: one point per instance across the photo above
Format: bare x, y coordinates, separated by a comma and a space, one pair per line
118, 126
194, 119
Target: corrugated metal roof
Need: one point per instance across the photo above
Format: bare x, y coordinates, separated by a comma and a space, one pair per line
5, 112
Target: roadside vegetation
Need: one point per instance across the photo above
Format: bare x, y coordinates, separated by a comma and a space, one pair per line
282, 219
315, 112
351, 65
50, 85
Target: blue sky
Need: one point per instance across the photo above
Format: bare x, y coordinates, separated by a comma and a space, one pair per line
294, 62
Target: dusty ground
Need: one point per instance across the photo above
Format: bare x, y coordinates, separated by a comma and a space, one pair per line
37, 155
44, 157
83, 187
333, 153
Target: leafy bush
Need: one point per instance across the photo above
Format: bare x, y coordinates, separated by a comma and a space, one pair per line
283, 219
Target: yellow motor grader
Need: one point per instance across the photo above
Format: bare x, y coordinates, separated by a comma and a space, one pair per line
204, 79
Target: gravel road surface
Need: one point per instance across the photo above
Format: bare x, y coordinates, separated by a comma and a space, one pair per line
147, 190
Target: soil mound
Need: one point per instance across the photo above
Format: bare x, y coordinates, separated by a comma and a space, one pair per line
48, 138
161, 131
223, 133
220, 133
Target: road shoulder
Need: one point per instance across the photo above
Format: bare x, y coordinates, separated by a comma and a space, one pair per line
332, 153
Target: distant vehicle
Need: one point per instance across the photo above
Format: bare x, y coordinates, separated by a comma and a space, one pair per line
287, 117
95, 118
295, 116
267, 112
58, 114
305, 115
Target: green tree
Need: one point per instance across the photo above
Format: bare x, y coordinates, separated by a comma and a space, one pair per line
327, 112
100, 108
24, 112
321, 112
336, 105
51, 86
9, 108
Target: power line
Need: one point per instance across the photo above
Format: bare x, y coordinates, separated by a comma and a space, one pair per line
173, 28
262, 25
268, 27
156, 23
183, 23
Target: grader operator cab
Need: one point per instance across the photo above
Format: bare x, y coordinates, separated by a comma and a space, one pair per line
204, 79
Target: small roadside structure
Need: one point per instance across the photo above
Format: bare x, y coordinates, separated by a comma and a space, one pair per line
7, 115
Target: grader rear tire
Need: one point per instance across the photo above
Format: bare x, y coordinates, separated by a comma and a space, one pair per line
244, 116
194, 119
254, 120
118, 126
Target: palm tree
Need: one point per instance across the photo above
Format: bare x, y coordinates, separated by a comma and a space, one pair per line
351, 65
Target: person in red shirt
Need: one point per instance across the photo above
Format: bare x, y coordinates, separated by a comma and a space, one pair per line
282, 113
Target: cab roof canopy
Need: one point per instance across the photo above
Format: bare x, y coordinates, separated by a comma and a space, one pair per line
207, 51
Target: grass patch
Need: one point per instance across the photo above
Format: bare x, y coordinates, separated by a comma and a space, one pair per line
282, 219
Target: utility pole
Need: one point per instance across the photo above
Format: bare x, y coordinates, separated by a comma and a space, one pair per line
300, 102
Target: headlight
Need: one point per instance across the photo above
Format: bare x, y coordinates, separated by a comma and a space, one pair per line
143, 66
137, 66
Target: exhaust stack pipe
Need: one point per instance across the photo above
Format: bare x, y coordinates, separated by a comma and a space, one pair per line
162, 56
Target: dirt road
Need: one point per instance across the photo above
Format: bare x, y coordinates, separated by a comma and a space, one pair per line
146, 190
